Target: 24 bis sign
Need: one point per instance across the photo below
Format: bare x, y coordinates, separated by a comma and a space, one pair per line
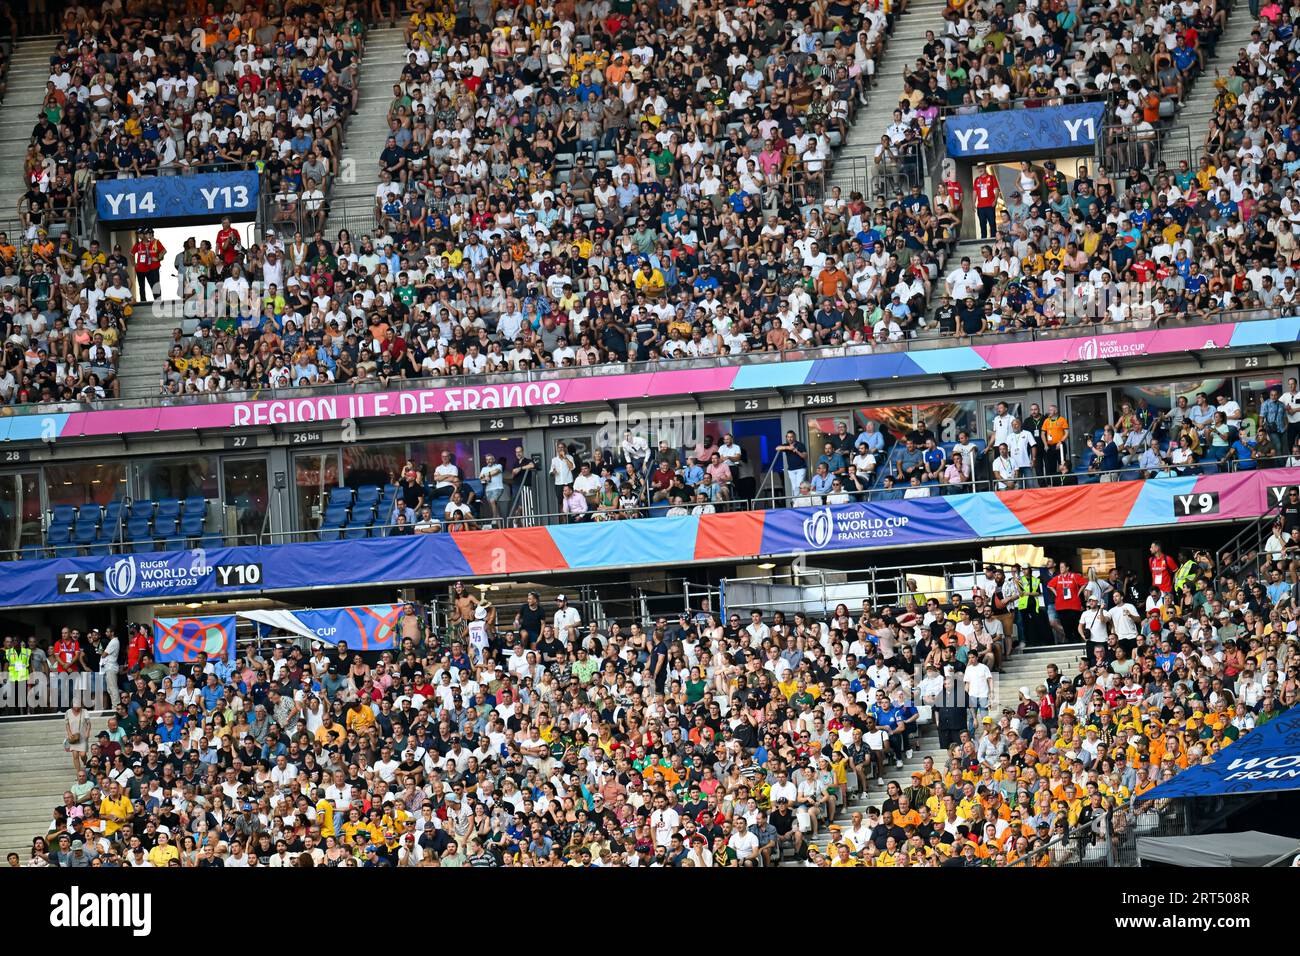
177, 197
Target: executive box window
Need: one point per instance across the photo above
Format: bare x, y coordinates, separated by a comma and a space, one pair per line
83, 483
373, 464
945, 419
20, 510
245, 496
177, 478
314, 474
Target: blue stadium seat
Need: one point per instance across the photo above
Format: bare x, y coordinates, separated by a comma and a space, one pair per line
355, 531
195, 504
58, 536
341, 496
141, 506
139, 534
84, 532
63, 514
192, 523
112, 515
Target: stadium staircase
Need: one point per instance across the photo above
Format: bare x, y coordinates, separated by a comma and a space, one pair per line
367, 130
1025, 668
29, 71
902, 49
1198, 106
150, 329
148, 340
34, 773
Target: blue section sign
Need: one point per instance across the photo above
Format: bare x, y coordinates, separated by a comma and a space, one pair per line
177, 197
1012, 132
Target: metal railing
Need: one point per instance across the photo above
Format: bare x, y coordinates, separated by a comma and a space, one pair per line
818, 591
1245, 552
1110, 837
1132, 472
519, 510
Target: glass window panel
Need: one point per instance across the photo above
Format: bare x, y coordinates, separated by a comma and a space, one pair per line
20, 510
503, 450
176, 477
703, 444
947, 419
1251, 392
82, 483
313, 475
373, 464
246, 496
429, 455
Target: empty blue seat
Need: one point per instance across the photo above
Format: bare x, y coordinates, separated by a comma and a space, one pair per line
112, 513
195, 504
192, 523
58, 536
139, 533
354, 531
63, 514
140, 507
83, 534
340, 496
336, 516
32, 552
368, 495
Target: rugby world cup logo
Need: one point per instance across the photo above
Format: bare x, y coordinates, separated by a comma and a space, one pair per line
818, 528
120, 576
1088, 350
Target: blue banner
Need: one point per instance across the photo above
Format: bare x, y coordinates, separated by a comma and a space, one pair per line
175, 197
863, 525
184, 638
366, 628
1267, 758
170, 575
1012, 132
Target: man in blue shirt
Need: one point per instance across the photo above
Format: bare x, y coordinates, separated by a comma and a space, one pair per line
871, 437
1184, 56
909, 463
933, 459
832, 459
823, 480
213, 694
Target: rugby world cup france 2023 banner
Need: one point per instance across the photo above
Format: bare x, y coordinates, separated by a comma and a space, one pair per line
863, 525
177, 197
1059, 129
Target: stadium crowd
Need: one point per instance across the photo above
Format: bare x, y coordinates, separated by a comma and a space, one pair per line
134, 95
593, 183
530, 737
554, 196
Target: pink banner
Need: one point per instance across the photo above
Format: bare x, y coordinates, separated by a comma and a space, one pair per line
1101, 347
396, 404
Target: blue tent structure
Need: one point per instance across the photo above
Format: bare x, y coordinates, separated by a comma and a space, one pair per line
1266, 759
